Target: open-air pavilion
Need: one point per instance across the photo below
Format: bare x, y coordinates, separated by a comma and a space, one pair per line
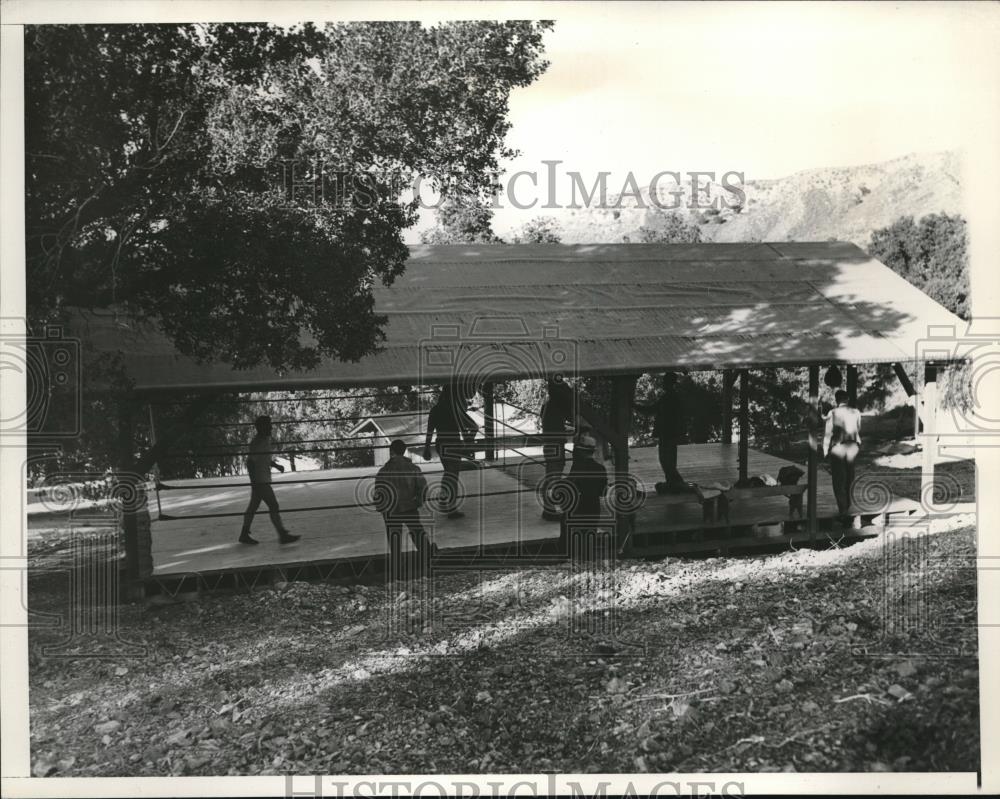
482, 314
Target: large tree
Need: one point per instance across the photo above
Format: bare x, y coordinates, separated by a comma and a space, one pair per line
159, 160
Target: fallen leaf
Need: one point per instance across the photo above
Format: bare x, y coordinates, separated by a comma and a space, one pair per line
180, 738
905, 668
900, 692
107, 727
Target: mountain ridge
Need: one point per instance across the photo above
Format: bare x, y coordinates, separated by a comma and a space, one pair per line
825, 203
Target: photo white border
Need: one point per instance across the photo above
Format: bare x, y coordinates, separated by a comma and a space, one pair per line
982, 176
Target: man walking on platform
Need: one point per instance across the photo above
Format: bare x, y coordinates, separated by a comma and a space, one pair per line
455, 431
841, 444
668, 429
260, 459
557, 411
400, 487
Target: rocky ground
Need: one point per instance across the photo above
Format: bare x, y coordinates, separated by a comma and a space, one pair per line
838, 660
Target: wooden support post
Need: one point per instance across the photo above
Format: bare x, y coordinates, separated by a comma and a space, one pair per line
622, 397
728, 378
135, 514
911, 392
150, 458
744, 445
929, 441
904, 379
152, 435
815, 444
489, 412
852, 386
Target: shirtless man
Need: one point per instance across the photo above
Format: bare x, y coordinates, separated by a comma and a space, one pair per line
841, 444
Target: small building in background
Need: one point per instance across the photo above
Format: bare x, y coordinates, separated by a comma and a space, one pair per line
412, 427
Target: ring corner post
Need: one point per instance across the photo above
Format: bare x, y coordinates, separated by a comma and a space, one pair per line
623, 395
489, 421
929, 435
728, 378
135, 520
744, 443
815, 439
852, 385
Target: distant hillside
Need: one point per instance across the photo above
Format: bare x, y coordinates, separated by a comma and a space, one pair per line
845, 203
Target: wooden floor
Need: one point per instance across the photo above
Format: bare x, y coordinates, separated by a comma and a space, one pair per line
508, 511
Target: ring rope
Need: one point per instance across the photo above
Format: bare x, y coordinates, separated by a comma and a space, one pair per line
168, 518
312, 399
275, 423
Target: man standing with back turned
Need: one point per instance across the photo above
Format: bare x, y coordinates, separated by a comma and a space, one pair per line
668, 429
400, 487
259, 462
841, 445
589, 480
557, 412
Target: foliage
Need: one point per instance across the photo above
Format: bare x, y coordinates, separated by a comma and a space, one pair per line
541, 230
155, 156
462, 218
931, 254
172, 172
314, 424
670, 228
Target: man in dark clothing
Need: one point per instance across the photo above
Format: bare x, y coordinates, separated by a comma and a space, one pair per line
668, 429
557, 411
399, 492
589, 480
455, 430
260, 459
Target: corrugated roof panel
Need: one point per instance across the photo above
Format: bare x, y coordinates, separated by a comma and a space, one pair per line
582, 253
516, 310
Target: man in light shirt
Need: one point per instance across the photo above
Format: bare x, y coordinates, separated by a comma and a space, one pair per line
841, 444
260, 459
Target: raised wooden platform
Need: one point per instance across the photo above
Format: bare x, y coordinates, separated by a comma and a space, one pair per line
507, 512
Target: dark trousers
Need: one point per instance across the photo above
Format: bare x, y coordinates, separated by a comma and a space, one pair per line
394, 523
841, 459
578, 528
555, 461
668, 462
262, 492
451, 461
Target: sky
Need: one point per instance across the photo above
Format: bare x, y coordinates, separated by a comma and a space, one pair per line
759, 88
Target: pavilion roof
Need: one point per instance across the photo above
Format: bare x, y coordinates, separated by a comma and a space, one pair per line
521, 311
